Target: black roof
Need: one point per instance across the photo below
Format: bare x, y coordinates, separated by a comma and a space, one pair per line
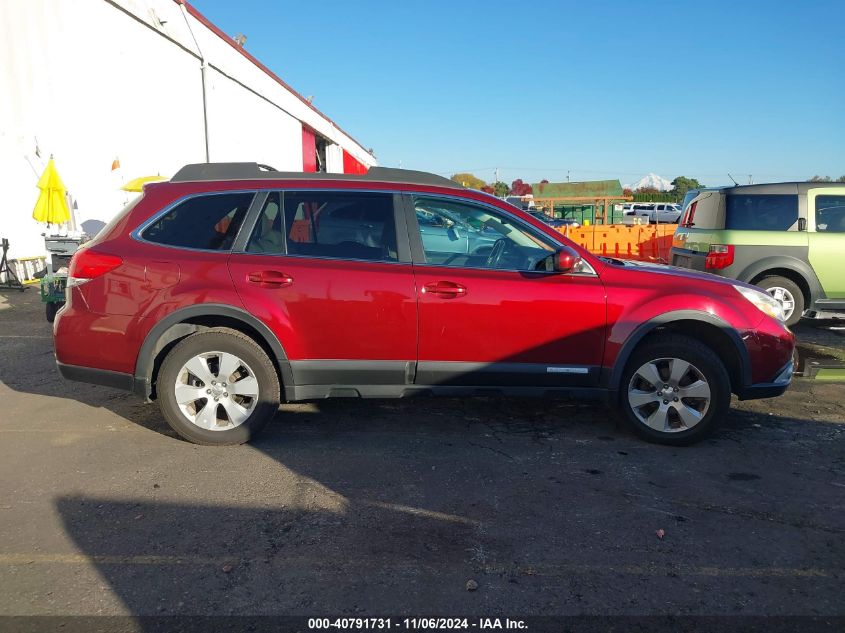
254, 171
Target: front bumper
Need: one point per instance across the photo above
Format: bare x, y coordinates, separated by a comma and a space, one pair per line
772, 389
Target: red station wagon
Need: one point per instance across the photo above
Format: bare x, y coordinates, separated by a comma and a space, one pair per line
233, 287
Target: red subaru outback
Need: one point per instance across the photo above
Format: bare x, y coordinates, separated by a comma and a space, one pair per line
233, 287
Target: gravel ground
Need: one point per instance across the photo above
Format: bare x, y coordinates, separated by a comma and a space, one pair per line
376, 507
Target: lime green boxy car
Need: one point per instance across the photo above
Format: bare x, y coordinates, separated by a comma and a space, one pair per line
787, 238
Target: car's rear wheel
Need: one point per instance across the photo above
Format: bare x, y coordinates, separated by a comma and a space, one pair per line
674, 390
788, 293
218, 387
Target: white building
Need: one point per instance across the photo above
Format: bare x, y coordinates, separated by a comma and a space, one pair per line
117, 89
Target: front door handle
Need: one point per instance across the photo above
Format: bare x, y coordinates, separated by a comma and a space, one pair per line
270, 279
445, 289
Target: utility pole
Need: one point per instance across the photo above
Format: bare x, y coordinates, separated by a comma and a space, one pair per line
497, 174
567, 175
750, 180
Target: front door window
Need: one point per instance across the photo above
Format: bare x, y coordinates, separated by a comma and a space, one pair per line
462, 235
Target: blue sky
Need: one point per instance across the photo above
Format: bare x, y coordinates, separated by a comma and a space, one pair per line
603, 89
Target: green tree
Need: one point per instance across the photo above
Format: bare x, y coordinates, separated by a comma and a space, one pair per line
468, 180
682, 184
840, 179
501, 189
818, 178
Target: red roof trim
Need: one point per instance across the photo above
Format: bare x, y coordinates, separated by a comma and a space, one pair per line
231, 42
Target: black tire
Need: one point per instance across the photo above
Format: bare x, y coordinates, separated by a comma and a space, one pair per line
223, 340
776, 281
51, 309
704, 360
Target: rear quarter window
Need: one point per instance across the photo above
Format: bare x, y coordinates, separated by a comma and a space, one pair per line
207, 222
761, 212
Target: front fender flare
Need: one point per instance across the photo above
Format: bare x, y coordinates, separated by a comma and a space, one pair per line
614, 377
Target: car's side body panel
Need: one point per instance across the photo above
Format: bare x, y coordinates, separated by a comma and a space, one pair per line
334, 310
510, 328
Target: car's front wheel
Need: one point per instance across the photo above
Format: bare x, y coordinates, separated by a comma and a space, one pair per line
674, 390
217, 387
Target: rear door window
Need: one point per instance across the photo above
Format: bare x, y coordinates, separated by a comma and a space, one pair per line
830, 214
761, 212
339, 225
208, 222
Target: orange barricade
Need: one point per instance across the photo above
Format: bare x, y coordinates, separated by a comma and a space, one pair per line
646, 242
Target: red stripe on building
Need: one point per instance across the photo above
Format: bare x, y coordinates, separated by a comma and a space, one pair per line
352, 165
309, 150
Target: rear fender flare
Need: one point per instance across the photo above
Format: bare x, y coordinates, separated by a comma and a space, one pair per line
173, 327
783, 262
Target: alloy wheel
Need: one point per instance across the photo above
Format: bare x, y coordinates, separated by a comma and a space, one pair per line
669, 395
216, 391
786, 299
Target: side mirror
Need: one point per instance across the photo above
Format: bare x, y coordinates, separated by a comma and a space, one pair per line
802, 224
565, 260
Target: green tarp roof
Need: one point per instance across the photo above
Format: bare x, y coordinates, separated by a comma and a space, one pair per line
589, 189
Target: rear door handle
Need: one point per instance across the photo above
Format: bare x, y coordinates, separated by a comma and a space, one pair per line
445, 289
270, 279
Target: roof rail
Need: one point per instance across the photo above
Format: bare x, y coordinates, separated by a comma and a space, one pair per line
254, 171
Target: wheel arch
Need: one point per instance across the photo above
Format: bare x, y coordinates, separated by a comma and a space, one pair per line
790, 267
705, 327
186, 321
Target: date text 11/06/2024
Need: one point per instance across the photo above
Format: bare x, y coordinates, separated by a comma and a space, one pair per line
416, 623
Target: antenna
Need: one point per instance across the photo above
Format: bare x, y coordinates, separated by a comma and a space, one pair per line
734, 179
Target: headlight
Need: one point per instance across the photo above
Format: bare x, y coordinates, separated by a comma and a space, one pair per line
765, 302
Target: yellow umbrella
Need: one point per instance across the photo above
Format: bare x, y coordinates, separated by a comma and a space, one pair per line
52, 206
137, 184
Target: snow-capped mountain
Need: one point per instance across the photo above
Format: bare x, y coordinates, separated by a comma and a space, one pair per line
651, 180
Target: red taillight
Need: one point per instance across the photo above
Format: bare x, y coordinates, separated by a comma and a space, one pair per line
689, 215
719, 256
88, 264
